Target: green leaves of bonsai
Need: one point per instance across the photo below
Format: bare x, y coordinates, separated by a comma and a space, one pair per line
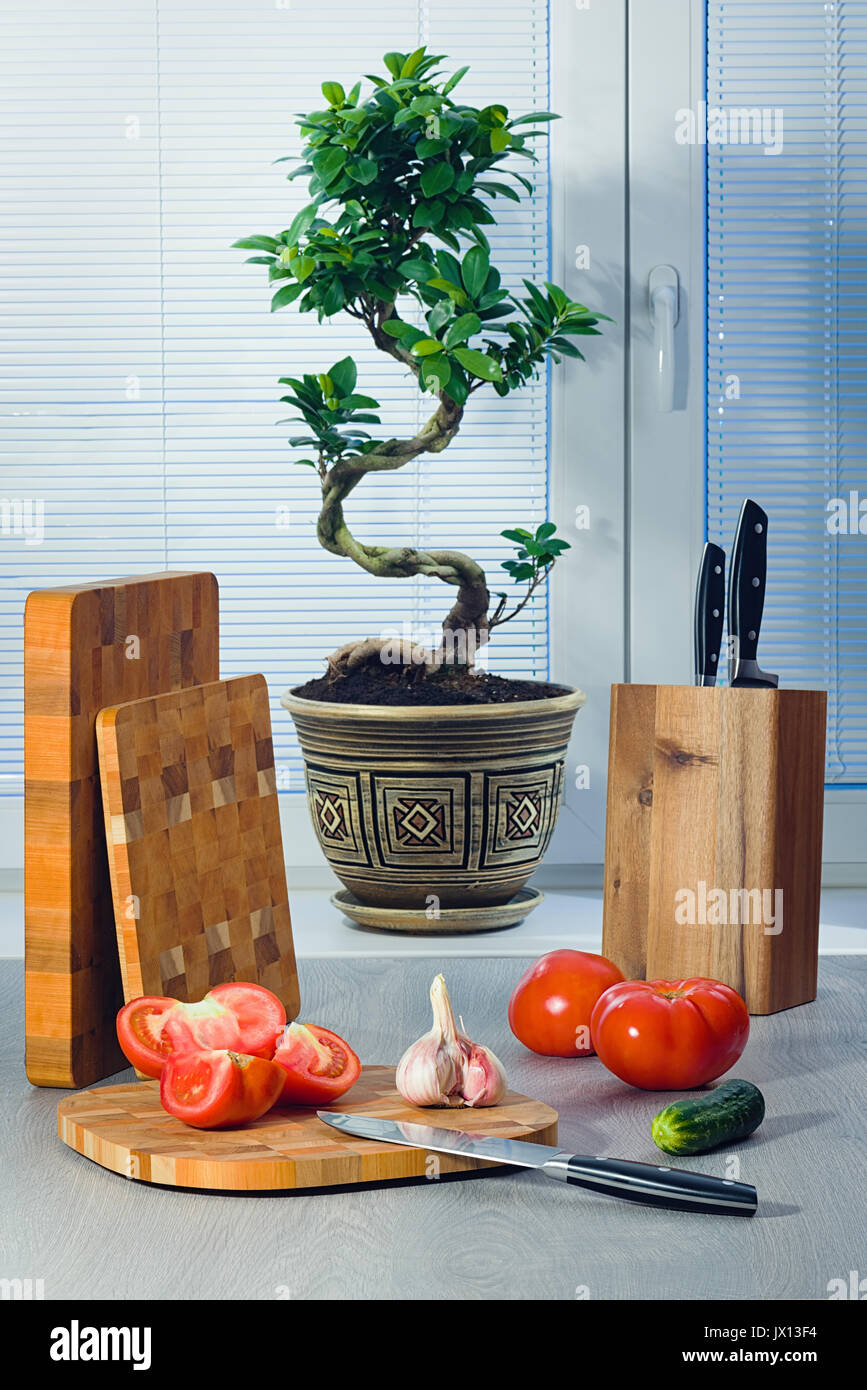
326, 404
395, 169
402, 181
436, 178
537, 551
474, 271
461, 329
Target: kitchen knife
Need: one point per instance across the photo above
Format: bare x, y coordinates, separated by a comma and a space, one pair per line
710, 597
747, 578
678, 1189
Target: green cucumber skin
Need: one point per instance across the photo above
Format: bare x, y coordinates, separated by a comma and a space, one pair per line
725, 1115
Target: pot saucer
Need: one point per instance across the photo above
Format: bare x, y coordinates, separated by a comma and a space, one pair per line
450, 919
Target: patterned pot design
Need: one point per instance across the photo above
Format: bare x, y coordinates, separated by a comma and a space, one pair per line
447, 801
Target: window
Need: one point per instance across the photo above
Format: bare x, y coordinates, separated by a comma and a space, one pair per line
141, 394
787, 334
780, 236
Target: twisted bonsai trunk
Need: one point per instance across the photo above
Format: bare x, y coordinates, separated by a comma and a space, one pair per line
469, 612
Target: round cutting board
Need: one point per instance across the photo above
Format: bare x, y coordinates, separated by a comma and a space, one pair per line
125, 1129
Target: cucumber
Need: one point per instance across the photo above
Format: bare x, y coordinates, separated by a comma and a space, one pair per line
726, 1114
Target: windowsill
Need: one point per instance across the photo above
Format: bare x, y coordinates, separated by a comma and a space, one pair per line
568, 917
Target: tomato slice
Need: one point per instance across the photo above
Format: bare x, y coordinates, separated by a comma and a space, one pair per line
317, 1065
260, 1014
219, 1088
141, 1033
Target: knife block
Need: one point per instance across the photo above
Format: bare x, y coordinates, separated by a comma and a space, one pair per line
713, 841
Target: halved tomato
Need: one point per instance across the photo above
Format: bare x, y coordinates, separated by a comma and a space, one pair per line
140, 1032
209, 1023
260, 1014
317, 1065
219, 1089
245, 1018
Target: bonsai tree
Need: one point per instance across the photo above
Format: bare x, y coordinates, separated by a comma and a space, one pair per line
401, 185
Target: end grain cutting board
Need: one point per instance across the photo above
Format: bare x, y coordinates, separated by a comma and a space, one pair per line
194, 844
125, 1129
86, 646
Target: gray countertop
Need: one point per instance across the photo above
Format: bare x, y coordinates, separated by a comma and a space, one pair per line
88, 1233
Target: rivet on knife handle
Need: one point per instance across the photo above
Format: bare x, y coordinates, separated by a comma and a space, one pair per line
678, 1189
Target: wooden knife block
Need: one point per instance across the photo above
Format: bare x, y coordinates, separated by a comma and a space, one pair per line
712, 791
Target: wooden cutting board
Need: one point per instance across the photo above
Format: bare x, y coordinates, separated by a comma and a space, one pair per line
125, 1129
194, 844
86, 646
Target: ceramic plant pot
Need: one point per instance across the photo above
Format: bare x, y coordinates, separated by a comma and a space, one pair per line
457, 802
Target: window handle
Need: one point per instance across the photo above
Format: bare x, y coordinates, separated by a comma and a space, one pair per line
663, 288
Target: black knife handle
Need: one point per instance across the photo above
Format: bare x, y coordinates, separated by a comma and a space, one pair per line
710, 595
677, 1189
747, 579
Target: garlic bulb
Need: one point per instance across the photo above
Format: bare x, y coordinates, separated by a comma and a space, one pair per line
444, 1067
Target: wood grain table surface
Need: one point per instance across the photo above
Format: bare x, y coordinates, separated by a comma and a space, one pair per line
89, 1233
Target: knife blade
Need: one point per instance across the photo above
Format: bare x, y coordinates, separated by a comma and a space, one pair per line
710, 596
677, 1189
747, 578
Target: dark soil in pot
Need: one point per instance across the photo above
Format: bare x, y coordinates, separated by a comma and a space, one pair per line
408, 685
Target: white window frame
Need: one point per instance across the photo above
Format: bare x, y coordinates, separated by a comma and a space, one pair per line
588, 424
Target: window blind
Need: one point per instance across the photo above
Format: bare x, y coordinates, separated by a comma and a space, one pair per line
787, 333
139, 357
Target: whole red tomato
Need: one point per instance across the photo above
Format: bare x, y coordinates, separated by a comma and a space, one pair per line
669, 1035
551, 1004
